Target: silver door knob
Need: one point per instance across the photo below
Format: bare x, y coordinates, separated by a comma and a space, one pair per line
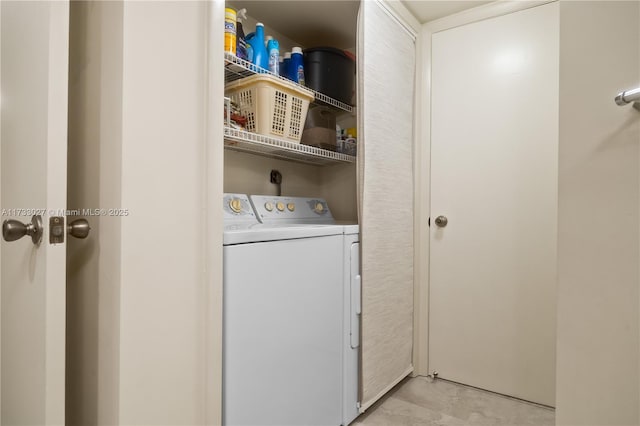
79, 228
442, 221
13, 230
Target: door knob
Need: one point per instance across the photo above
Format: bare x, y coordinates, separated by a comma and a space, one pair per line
442, 221
79, 228
13, 230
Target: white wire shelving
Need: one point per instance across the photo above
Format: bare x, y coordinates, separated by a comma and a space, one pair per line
236, 68
240, 140
267, 146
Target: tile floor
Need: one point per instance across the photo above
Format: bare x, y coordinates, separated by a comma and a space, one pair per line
419, 401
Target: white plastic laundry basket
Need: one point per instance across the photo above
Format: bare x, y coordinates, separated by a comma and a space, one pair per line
273, 107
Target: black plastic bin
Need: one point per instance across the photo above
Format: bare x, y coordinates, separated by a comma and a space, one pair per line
330, 71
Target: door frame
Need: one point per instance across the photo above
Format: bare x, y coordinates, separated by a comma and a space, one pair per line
422, 163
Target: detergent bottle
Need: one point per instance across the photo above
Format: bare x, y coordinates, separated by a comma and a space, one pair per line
296, 66
273, 47
284, 71
230, 30
260, 55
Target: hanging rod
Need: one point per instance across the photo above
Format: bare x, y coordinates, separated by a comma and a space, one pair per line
628, 96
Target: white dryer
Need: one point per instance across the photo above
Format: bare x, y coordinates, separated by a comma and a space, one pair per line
288, 313
351, 325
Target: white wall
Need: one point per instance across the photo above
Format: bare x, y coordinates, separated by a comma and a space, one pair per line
599, 215
142, 291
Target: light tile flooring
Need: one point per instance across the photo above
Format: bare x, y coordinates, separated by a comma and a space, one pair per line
419, 401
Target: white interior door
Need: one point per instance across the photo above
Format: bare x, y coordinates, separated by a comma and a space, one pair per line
34, 68
494, 177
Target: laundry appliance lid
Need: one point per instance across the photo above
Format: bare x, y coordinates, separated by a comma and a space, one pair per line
263, 233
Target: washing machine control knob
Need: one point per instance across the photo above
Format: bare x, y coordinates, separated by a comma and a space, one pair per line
291, 207
319, 208
268, 206
235, 205
280, 206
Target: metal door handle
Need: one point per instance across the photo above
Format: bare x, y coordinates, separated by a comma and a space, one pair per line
442, 221
79, 228
13, 230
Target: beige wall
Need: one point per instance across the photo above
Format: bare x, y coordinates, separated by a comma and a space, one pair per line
340, 190
599, 215
93, 265
249, 174
161, 321
138, 288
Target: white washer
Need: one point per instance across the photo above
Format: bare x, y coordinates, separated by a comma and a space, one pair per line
286, 304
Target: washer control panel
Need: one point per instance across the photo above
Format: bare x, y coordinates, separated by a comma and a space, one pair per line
237, 207
271, 208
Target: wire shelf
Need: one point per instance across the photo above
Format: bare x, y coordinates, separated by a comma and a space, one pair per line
236, 68
240, 140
